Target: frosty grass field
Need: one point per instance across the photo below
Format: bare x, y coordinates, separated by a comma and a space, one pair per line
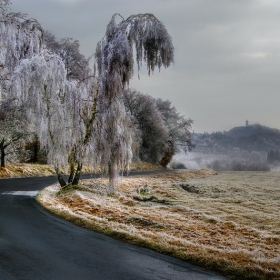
228, 221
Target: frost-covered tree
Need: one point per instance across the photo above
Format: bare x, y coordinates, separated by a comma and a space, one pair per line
179, 130
114, 59
19, 39
164, 131
14, 130
77, 66
153, 132
63, 105
61, 108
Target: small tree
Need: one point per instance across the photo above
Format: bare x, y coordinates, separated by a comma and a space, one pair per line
114, 58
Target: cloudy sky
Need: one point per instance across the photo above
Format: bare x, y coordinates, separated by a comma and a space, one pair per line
227, 53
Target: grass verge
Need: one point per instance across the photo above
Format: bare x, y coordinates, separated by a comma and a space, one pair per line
226, 222
26, 170
37, 170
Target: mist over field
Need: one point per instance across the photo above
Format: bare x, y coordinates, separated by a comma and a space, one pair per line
246, 148
196, 160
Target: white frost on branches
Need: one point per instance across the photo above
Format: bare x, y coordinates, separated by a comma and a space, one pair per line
19, 39
77, 116
36, 78
57, 106
114, 58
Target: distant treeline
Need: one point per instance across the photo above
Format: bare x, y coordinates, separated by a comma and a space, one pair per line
273, 156
249, 138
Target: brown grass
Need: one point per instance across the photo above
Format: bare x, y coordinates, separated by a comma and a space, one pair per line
26, 170
34, 170
227, 221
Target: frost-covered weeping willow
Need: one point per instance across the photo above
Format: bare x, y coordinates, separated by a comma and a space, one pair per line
18, 40
114, 58
63, 109
59, 108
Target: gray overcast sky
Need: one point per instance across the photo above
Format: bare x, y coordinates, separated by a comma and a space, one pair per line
227, 53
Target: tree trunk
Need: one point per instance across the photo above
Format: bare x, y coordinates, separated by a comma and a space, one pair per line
75, 179
60, 177
72, 173
113, 178
72, 166
168, 154
77, 174
2, 153
36, 147
3, 158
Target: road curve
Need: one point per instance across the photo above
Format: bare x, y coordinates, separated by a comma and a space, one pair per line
37, 245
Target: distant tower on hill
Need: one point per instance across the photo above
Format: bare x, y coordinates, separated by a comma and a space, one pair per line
247, 123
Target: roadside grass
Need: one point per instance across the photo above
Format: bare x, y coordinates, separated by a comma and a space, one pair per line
26, 170
21, 170
228, 222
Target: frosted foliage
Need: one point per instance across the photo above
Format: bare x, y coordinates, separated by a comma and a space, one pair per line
54, 103
4, 7
179, 128
148, 119
35, 78
18, 40
14, 130
114, 54
114, 59
115, 139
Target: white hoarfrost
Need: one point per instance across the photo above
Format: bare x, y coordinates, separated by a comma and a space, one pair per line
36, 78
114, 59
19, 39
58, 107
64, 110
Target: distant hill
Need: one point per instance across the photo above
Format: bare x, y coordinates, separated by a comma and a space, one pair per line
251, 138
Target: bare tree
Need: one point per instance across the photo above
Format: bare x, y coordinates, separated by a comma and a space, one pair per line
114, 58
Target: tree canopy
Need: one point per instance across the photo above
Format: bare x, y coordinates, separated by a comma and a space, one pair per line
162, 130
114, 59
82, 115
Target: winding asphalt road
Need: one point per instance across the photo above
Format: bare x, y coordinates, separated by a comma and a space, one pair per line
37, 245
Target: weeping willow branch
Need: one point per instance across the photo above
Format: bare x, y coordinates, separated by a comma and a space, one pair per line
114, 59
